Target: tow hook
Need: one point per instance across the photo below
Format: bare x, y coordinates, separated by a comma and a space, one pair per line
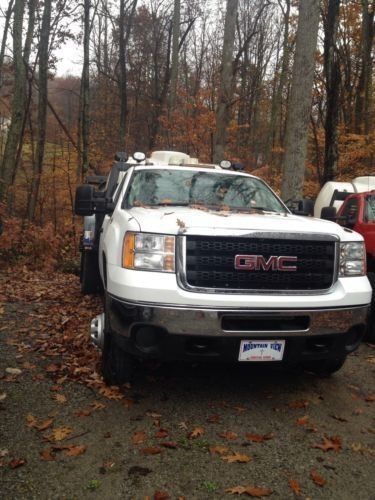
97, 331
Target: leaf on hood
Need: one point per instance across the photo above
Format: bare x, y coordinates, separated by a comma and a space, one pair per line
237, 458
181, 224
318, 480
330, 443
251, 491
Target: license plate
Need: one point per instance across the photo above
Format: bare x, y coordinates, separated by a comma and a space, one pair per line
261, 350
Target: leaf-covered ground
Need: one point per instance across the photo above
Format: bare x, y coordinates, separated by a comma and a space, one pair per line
181, 431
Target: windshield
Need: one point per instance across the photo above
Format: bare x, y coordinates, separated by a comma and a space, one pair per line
203, 189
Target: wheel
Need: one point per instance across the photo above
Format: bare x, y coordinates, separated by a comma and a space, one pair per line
326, 367
370, 331
90, 276
117, 365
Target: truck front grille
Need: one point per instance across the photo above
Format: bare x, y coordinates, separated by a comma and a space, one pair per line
210, 263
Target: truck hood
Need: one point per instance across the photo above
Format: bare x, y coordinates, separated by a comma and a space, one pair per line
177, 220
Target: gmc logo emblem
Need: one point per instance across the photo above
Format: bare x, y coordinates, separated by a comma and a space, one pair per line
260, 263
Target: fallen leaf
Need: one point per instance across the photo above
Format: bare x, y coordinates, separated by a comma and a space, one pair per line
161, 495
17, 462
251, 491
162, 433
75, 450
169, 444
228, 435
58, 434
338, 418
3, 396
13, 371
152, 450
318, 480
297, 405
330, 443
82, 413
153, 414
183, 426
139, 437
218, 450
239, 409
196, 433
295, 486
42, 426
303, 421
52, 368
213, 419
370, 398
257, 438
236, 458
60, 398
47, 455
98, 406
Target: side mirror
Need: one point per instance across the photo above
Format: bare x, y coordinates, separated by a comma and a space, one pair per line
329, 213
84, 200
302, 207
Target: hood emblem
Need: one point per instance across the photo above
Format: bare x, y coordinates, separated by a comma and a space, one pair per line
261, 263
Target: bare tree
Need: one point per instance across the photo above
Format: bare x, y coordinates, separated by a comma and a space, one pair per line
299, 107
175, 52
332, 82
226, 81
8, 15
42, 107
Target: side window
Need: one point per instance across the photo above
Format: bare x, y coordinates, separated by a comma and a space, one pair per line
350, 212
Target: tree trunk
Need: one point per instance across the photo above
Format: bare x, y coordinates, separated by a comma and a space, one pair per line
332, 83
5, 36
363, 105
42, 107
18, 103
85, 90
299, 105
175, 52
226, 82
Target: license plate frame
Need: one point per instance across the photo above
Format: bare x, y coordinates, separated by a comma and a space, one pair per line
254, 351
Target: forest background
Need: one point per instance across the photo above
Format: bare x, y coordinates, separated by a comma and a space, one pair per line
212, 79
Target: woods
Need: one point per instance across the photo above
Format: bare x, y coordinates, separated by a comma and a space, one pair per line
285, 87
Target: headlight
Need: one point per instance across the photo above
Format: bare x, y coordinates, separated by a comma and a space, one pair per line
352, 259
149, 252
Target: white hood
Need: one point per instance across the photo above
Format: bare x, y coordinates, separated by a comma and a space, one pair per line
175, 220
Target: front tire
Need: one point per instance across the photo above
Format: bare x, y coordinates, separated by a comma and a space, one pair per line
90, 276
326, 367
117, 365
370, 331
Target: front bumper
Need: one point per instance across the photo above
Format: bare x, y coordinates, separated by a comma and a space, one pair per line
170, 332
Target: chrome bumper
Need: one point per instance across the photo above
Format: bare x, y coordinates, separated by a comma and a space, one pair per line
125, 315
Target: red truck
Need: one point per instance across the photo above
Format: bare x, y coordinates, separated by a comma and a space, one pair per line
357, 212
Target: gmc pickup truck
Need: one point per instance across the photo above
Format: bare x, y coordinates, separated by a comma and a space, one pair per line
205, 262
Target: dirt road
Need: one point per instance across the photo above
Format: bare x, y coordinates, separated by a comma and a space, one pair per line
193, 432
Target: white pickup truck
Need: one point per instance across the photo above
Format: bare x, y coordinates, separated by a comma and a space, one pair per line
202, 262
